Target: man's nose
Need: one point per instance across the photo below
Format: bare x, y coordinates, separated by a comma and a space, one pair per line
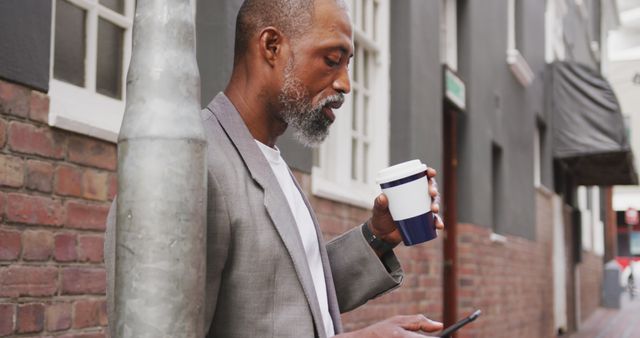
342, 84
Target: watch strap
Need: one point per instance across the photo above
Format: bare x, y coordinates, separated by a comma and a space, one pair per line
375, 243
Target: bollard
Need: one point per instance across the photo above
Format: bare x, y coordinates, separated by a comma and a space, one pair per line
611, 289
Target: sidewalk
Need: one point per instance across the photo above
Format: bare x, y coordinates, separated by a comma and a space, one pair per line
609, 323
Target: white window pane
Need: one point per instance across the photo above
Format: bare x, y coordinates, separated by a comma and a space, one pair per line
69, 55
365, 163
361, 14
354, 158
365, 114
366, 69
354, 111
115, 5
356, 55
109, 66
376, 8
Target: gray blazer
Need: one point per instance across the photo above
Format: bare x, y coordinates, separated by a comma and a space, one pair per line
258, 279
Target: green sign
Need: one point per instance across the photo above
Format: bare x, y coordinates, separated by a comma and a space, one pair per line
454, 89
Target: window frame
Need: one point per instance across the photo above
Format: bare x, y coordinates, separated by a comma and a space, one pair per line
331, 177
82, 109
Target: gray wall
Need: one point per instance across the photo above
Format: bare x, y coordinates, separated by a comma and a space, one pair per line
499, 111
416, 82
25, 42
579, 33
215, 31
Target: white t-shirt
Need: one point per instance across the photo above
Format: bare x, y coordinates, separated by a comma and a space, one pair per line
305, 227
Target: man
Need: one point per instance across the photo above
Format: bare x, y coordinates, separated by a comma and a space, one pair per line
269, 273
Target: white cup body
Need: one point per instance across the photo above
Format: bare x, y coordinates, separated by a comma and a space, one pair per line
409, 199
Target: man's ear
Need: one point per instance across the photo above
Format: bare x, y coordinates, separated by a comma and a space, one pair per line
271, 44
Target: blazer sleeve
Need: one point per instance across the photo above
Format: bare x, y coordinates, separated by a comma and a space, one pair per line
358, 273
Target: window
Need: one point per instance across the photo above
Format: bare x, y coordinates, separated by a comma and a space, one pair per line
91, 47
539, 154
346, 164
517, 63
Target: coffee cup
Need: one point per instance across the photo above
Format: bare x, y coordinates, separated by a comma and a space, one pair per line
407, 189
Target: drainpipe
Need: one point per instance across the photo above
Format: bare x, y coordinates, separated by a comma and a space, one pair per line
161, 205
450, 300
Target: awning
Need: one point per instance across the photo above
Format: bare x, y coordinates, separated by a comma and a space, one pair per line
589, 137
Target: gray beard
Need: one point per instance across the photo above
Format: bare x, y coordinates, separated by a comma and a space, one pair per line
309, 122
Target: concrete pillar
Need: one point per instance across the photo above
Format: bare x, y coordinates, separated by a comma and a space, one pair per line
161, 204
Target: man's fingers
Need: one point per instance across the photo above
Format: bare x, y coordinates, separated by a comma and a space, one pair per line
439, 222
431, 172
417, 323
435, 208
381, 203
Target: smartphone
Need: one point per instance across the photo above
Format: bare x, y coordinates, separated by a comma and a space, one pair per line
455, 327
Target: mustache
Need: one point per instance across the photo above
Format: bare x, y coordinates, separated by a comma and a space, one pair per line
336, 100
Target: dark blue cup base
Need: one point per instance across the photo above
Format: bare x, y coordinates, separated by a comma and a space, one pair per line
419, 229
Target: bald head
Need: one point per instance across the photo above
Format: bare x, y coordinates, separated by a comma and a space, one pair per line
291, 17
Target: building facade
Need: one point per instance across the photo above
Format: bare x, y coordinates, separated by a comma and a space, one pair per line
460, 84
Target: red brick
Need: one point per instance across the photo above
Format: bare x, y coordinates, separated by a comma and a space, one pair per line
95, 185
68, 181
37, 245
16, 281
86, 216
58, 317
34, 210
89, 313
30, 318
11, 171
92, 152
113, 186
7, 319
65, 247
39, 107
91, 248
29, 139
39, 176
78, 281
3, 132
9, 245
14, 99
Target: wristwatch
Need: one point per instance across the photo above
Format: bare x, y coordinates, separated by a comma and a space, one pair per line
375, 243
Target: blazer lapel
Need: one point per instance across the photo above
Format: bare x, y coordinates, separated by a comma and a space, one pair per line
274, 200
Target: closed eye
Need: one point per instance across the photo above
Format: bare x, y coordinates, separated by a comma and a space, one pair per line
331, 62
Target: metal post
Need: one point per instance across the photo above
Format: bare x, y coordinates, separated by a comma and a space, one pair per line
161, 205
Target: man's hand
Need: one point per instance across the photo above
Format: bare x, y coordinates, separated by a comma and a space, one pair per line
381, 222
397, 327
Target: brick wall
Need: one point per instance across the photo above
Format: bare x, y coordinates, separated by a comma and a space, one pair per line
590, 270
421, 291
55, 189
511, 281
